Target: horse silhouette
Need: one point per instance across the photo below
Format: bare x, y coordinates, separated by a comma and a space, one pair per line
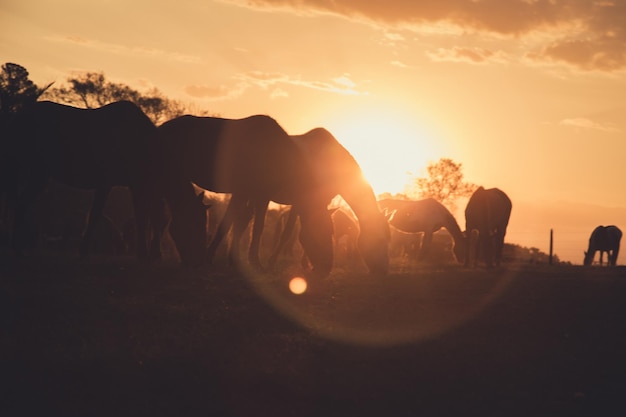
426, 216
88, 149
604, 239
486, 217
400, 243
345, 236
340, 174
255, 161
345, 233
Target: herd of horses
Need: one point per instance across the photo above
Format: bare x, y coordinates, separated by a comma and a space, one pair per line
253, 159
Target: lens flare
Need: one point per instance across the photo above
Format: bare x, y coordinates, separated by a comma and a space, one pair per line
297, 285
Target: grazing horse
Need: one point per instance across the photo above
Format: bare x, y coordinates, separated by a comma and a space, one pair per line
604, 239
345, 229
345, 234
427, 216
340, 174
256, 161
486, 218
89, 149
401, 243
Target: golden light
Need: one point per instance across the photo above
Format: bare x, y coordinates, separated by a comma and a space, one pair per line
388, 145
297, 285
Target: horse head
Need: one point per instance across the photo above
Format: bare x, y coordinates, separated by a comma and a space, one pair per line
188, 228
316, 237
373, 243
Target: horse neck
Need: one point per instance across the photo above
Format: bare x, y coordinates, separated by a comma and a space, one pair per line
360, 197
451, 224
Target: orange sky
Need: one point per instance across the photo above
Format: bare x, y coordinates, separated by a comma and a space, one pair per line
528, 95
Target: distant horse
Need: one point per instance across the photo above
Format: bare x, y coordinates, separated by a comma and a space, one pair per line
340, 174
400, 243
486, 217
427, 216
345, 233
256, 161
604, 239
89, 149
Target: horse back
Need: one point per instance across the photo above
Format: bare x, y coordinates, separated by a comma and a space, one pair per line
253, 156
605, 238
488, 210
111, 145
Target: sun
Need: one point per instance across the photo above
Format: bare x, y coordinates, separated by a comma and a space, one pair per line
388, 145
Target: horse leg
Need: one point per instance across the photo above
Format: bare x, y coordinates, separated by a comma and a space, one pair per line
24, 202
149, 223
468, 246
426, 243
94, 216
260, 210
488, 249
159, 220
225, 224
473, 248
241, 220
284, 237
499, 246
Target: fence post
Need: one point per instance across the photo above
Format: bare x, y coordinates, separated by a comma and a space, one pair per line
551, 245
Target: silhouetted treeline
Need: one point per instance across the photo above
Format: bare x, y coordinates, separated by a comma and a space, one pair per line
17, 90
92, 90
87, 90
522, 254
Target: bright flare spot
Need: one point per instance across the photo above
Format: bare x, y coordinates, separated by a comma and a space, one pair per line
297, 285
388, 144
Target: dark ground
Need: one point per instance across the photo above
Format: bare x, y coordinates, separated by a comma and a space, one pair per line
120, 338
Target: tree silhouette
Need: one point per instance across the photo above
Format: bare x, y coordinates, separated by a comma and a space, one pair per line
444, 183
91, 90
16, 89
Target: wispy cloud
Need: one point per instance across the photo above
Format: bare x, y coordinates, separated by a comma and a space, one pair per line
221, 92
126, 50
590, 34
275, 82
279, 93
399, 64
470, 55
584, 123
339, 85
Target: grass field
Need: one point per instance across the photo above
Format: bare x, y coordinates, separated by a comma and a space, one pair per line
121, 338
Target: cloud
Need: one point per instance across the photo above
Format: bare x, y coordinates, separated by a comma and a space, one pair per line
587, 34
399, 64
126, 50
279, 93
340, 85
470, 55
272, 80
584, 123
216, 93
600, 54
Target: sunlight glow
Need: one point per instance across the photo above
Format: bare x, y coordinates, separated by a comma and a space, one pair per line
297, 285
388, 145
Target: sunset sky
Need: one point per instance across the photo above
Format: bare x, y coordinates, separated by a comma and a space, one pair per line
529, 95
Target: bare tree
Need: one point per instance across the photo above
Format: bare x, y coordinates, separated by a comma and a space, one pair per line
91, 90
444, 183
16, 89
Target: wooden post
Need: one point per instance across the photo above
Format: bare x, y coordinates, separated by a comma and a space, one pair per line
551, 245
